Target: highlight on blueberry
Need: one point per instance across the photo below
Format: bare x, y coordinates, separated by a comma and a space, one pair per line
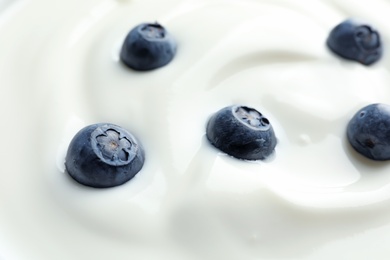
241, 132
104, 155
369, 131
148, 46
357, 41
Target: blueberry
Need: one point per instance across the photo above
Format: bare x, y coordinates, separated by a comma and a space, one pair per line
104, 155
241, 132
355, 41
148, 46
369, 131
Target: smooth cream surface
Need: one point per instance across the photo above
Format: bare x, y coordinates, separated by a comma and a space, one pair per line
315, 198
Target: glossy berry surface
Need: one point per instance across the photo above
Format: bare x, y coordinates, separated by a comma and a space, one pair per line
148, 46
355, 41
369, 131
241, 132
104, 155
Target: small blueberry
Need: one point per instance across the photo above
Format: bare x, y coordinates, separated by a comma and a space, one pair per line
357, 41
369, 131
241, 132
148, 46
104, 155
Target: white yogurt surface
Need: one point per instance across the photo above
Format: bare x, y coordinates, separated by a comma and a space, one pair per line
315, 198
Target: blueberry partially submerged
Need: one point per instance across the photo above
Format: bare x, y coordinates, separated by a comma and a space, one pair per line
104, 155
353, 40
148, 46
369, 131
241, 132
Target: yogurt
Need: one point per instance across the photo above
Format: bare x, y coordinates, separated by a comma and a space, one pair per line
315, 198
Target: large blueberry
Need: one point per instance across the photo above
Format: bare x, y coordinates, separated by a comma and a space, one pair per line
369, 131
148, 46
355, 41
104, 155
241, 132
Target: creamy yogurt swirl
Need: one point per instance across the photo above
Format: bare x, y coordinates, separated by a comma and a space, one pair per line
315, 198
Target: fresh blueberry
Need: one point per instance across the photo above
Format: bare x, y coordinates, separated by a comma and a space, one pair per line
369, 131
104, 155
357, 41
148, 46
241, 132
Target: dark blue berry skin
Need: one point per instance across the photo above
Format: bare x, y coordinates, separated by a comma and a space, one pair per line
369, 132
355, 41
148, 46
241, 132
104, 155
